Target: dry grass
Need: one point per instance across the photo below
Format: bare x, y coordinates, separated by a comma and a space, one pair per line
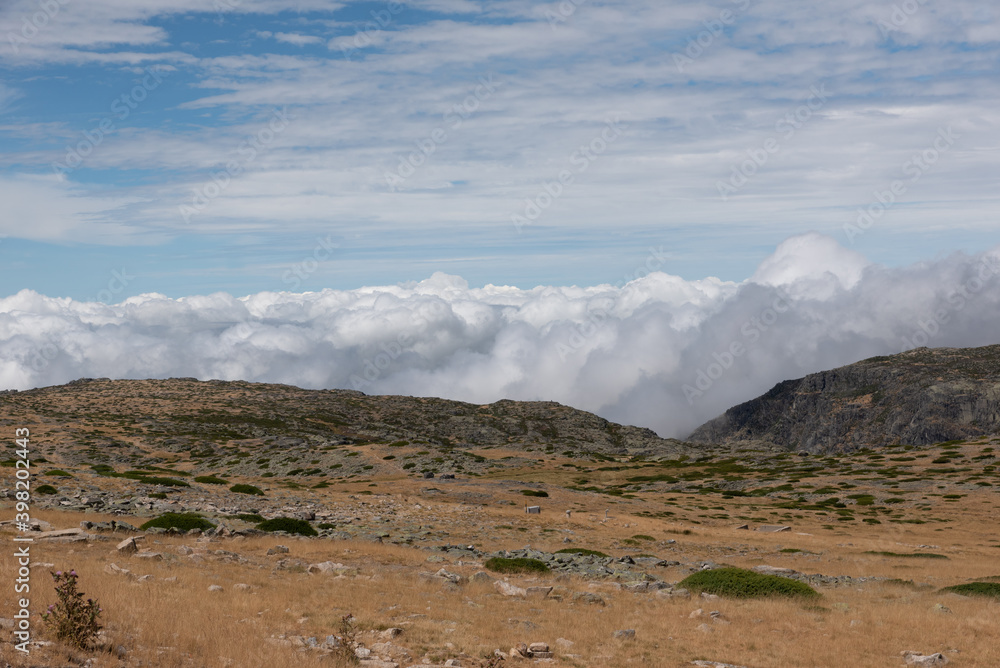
164, 623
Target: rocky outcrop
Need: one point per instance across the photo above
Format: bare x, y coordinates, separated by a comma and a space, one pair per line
919, 397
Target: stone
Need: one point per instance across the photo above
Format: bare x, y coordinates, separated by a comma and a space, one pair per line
538, 647
538, 593
115, 569
150, 556
363, 653
507, 589
242, 586
452, 662
624, 634
589, 597
715, 664
564, 643
450, 577
943, 609
390, 633
127, 546
696, 613
481, 576
708, 597
743, 527
912, 658
215, 588
773, 528
705, 628
774, 570
278, 549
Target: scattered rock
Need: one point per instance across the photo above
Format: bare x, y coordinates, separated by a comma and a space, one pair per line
507, 589
127, 547
278, 549
538, 593
624, 634
589, 597
214, 588
242, 586
912, 658
773, 528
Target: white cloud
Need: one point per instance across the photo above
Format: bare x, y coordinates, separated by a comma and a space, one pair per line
625, 352
297, 39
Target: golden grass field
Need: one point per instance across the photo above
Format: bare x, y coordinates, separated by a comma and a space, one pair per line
161, 622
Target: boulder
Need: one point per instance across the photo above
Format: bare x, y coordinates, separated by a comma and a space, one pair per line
912, 658
127, 547
507, 589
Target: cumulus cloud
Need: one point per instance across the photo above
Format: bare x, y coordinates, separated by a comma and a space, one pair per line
658, 351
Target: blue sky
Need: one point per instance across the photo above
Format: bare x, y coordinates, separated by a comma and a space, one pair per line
278, 125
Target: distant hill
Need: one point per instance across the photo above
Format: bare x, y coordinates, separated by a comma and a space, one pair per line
919, 397
244, 428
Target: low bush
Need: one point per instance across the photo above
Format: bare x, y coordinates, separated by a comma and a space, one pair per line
247, 489
250, 517
71, 618
210, 480
914, 555
46, 489
991, 589
741, 583
535, 492
180, 521
60, 473
516, 565
288, 525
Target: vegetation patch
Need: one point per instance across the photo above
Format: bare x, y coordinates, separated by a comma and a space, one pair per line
247, 489
535, 492
991, 589
914, 555
516, 565
288, 525
59, 473
741, 583
179, 521
211, 480
46, 489
250, 517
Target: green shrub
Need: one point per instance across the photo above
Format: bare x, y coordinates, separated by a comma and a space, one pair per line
157, 495
181, 521
73, 619
915, 555
247, 489
581, 551
60, 473
46, 489
741, 583
516, 565
288, 525
250, 517
326, 525
642, 536
210, 480
991, 589
535, 492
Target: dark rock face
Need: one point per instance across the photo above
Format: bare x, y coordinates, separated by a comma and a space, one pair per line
919, 397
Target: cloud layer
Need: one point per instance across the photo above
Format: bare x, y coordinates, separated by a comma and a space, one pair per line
658, 351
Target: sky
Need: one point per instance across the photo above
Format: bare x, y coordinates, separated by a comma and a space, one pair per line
276, 190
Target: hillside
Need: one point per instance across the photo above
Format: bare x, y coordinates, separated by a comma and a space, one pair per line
918, 397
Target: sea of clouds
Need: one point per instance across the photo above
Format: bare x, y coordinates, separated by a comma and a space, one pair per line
659, 351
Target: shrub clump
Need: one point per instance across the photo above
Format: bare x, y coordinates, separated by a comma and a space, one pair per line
991, 589
741, 583
72, 619
247, 489
210, 480
250, 517
516, 565
288, 525
180, 521
535, 492
46, 489
582, 551
914, 555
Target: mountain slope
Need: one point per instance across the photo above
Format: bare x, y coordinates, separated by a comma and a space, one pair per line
918, 397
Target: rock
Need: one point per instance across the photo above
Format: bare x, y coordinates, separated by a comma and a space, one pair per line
452, 662
941, 609
127, 547
715, 664
743, 527
363, 653
278, 549
151, 556
144, 578
624, 634
705, 628
696, 613
538, 647
912, 658
327, 567
115, 569
773, 528
775, 570
450, 577
481, 576
215, 588
507, 589
538, 593
708, 597
589, 597
564, 643
390, 633
242, 586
